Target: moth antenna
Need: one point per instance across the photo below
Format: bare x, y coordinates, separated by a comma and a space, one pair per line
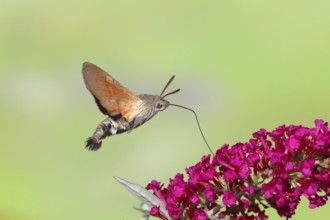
199, 126
168, 83
170, 93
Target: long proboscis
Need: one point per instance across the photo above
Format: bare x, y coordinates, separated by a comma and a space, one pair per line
199, 126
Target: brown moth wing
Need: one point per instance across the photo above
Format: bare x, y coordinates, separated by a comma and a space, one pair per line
111, 97
128, 109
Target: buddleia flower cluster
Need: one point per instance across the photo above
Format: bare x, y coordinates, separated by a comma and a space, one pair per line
272, 170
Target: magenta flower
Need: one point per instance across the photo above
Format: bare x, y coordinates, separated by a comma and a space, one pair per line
229, 198
155, 211
200, 215
273, 169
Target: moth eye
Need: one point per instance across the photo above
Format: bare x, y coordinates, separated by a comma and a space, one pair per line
159, 105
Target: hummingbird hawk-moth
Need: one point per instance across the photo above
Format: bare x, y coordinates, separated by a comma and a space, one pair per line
125, 110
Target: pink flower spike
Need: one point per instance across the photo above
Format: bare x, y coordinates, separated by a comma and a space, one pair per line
271, 170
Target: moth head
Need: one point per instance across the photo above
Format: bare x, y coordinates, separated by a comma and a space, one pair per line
161, 104
157, 103
153, 103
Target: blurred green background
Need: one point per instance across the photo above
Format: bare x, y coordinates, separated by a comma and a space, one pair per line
241, 65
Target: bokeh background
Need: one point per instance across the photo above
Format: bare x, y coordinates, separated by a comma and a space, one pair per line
241, 65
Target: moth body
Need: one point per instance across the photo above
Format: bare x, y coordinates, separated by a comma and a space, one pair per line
125, 110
